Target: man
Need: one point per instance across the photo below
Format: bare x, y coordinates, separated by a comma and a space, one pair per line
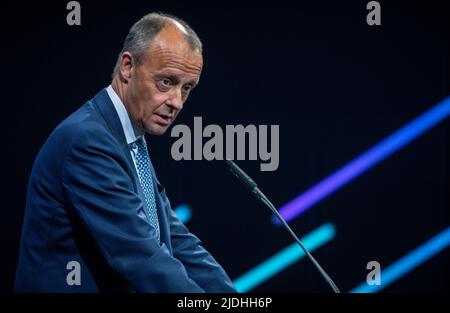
97, 218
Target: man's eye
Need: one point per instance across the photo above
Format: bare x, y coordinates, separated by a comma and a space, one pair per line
166, 82
187, 88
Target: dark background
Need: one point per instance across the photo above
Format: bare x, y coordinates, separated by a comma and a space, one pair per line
335, 85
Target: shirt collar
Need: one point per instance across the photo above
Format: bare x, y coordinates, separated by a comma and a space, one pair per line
131, 132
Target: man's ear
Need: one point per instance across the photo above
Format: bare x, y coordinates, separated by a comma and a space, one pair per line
126, 65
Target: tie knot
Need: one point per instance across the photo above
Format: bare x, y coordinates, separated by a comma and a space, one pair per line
140, 142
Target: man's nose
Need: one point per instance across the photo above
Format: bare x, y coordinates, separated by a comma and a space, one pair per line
176, 99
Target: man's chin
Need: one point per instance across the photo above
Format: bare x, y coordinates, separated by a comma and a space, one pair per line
156, 129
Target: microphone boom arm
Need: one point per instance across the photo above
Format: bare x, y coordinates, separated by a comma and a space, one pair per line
253, 187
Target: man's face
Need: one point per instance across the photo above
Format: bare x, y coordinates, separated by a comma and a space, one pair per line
157, 88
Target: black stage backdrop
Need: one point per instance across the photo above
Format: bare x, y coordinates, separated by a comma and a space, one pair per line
335, 86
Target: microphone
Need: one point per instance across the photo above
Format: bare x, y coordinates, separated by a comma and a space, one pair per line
242, 176
253, 187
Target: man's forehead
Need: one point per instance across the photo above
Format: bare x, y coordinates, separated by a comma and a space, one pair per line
167, 58
171, 49
165, 52
172, 43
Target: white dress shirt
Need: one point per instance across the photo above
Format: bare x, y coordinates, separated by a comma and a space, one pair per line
131, 132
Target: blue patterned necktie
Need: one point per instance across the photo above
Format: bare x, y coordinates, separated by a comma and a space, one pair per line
145, 177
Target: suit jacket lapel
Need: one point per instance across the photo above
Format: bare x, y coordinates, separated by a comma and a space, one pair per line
107, 110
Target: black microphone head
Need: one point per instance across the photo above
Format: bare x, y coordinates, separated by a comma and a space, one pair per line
241, 175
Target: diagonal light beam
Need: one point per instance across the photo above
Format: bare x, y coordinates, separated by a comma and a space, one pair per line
284, 258
183, 212
409, 262
365, 161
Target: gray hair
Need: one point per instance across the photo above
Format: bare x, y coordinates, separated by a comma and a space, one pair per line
143, 32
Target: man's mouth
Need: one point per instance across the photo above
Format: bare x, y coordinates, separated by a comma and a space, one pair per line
163, 119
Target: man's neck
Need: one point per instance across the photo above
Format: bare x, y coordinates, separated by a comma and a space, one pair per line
118, 88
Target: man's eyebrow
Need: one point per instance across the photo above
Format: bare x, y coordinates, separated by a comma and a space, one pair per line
176, 79
193, 82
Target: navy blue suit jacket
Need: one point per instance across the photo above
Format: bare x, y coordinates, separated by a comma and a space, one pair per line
84, 204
